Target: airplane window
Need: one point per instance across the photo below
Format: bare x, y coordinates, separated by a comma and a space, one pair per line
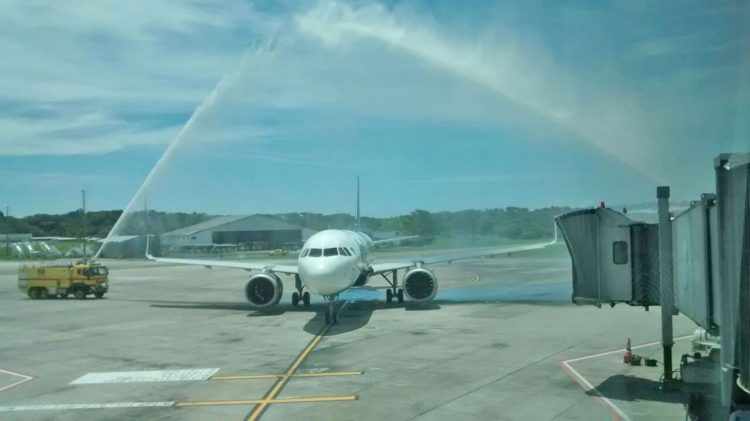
314, 253
620, 252
333, 251
343, 252
304, 252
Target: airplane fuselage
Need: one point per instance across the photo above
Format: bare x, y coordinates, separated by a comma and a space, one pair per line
331, 261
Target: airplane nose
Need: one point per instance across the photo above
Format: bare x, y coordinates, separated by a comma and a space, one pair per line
325, 278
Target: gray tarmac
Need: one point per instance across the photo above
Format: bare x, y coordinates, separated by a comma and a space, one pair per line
498, 343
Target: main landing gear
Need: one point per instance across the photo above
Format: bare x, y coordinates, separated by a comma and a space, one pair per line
300, 295
304, 298
394, 292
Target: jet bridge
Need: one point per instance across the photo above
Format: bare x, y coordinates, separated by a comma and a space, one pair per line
615, 259
701, 268
695, 261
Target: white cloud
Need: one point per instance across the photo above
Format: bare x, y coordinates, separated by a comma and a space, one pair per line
612, 111
522, 73
93, 133
92, 64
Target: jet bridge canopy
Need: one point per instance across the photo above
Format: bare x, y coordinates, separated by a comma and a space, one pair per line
615, 259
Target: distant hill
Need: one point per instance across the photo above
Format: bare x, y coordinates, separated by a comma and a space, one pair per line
511, 222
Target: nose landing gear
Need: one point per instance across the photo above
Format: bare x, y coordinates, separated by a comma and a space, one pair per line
331, 316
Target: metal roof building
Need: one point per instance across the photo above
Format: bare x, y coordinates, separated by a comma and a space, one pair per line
256, 231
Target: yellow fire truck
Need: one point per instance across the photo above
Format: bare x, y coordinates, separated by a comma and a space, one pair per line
51, 281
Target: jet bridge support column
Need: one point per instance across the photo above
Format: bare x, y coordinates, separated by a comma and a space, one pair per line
665, 275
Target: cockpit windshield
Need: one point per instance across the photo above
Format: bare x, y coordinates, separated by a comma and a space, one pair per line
332, 251
314, 253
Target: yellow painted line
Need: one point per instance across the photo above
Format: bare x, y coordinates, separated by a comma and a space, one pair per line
331, 374
281, 382
276, 376
317, 399
302, 399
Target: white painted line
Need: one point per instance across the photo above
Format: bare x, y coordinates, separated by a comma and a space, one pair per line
69, 406
587, 386
24, 379
150, 376
588, 357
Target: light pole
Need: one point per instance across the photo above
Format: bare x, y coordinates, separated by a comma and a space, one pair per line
83, 222
7, 231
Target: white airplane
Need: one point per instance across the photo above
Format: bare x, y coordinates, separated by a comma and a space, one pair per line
333, 261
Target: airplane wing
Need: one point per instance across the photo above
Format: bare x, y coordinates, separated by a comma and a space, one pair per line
273, 267
394, 240
450, 258
249, 266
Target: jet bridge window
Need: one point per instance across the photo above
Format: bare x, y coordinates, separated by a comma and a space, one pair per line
333, 251
620, 252
315, 252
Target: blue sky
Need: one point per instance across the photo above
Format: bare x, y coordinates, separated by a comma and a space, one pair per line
435, 105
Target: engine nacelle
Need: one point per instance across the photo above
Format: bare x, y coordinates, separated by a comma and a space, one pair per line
420, 284
264, 290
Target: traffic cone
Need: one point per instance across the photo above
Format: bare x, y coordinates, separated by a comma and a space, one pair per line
628, 357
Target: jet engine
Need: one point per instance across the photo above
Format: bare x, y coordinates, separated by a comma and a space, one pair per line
264, 290
420, 284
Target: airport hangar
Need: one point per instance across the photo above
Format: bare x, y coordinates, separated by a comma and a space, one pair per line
257, 232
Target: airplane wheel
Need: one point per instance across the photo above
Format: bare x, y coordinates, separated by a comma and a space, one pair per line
306, 299
388, 296
295, 298
400, 295
331, 314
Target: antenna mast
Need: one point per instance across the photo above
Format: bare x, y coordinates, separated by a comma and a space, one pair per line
357, 222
